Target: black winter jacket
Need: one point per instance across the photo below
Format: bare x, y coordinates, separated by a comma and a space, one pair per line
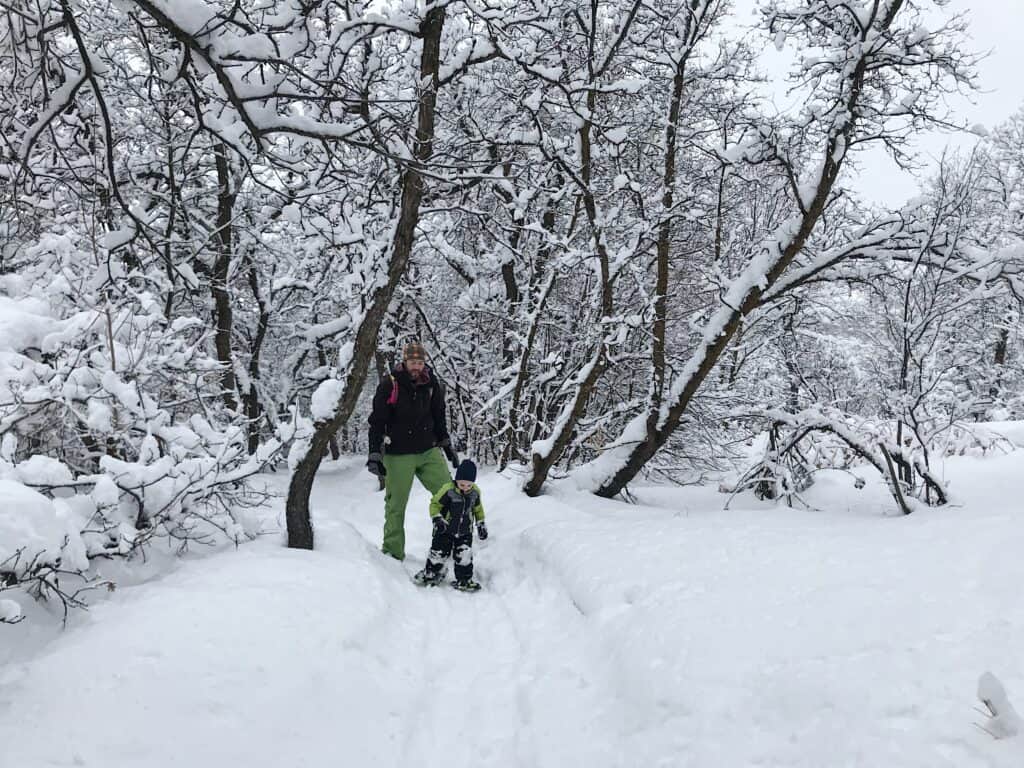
415, 422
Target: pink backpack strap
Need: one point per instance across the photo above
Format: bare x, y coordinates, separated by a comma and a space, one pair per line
393, 397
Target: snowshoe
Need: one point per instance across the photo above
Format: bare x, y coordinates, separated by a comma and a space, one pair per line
427, 579
467, 585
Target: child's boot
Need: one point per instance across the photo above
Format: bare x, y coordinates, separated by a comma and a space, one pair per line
466, 585
429, 577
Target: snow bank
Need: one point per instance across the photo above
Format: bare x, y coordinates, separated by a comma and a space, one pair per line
1011, 430
664, 633
775, 636
10, 612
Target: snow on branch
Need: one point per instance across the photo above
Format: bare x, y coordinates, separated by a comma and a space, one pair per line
870, 445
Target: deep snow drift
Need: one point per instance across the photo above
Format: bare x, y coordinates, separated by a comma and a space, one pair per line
670, 633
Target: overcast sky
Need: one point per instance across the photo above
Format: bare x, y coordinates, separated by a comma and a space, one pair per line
996, 27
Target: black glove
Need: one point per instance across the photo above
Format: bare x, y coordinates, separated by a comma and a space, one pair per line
439, 523
453, 457
375, 465
481, 530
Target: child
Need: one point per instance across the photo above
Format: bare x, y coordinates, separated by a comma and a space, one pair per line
453, 511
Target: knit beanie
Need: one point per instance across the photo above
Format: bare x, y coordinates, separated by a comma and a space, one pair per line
414, 351
466, 471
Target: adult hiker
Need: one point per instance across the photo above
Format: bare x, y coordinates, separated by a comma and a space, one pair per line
408, 431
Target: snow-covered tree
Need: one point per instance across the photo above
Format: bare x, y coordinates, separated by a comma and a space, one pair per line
873, 73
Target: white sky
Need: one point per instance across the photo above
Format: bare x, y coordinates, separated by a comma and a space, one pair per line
996, 27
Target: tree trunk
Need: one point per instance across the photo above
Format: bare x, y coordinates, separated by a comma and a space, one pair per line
512, 437
565, 424
692, 22
894, 482
300, 528
251, 397
588, 377
223, 319
999, 360
788, 345
538, 296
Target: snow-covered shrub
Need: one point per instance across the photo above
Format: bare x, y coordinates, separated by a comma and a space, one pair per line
112, 433
970, 439
820, 437
40, 542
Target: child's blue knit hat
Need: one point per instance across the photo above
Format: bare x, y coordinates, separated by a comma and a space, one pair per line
466, 471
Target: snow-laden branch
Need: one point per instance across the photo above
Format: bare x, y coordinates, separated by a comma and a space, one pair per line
872, 447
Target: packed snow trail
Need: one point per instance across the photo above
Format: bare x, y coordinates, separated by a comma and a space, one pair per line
270, 657
666, 634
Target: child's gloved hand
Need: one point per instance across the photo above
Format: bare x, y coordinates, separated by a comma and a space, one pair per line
439, 523
481, 530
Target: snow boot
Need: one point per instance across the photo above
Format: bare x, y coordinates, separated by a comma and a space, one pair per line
466, 585
426, 578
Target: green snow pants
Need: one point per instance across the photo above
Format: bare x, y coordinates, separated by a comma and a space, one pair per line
432, 470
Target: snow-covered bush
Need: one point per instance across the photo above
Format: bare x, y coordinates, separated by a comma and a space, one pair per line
820, 437
111, 430
971, 439
40, 542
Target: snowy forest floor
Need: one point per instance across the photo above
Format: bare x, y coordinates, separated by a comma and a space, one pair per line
668, 633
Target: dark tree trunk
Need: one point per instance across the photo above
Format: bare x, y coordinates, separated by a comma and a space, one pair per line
300, 528
587, 382
222, 310
542, 463
538, 297
663, 245
508, 277
999, 360
512, 439
251, 398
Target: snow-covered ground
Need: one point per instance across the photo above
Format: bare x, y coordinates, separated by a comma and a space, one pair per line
670, 633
